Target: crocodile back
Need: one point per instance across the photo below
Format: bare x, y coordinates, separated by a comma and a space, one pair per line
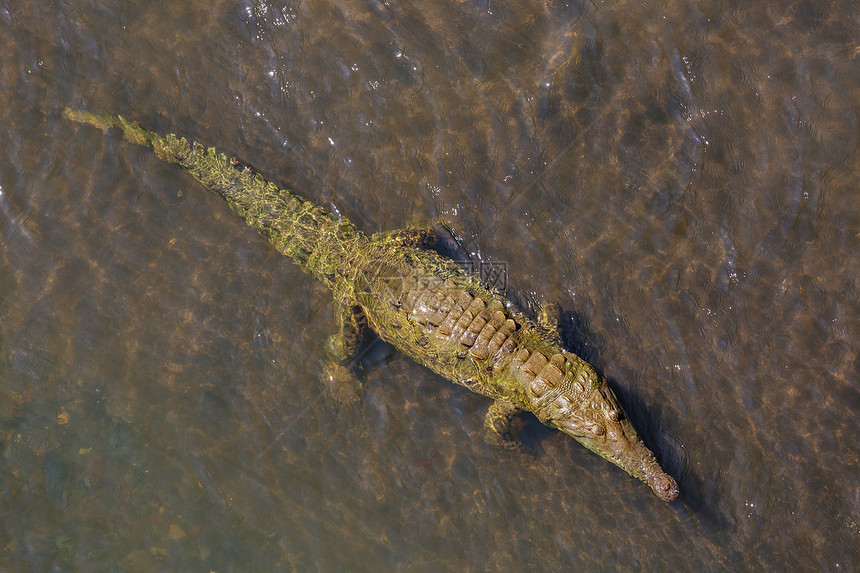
444, 318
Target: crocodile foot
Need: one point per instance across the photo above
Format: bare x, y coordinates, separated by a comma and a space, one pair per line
341, 383
498, 429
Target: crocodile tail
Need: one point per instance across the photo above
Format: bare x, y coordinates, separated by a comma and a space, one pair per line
307, 233
104, 121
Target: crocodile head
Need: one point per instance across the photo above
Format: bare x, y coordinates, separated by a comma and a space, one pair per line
599, 423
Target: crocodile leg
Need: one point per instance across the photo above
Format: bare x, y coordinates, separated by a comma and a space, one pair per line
497, 424
549, 317
342, 349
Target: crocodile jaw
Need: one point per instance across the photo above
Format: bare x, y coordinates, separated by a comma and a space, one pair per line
601, 426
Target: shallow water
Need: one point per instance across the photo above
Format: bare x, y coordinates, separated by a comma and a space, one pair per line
681, 178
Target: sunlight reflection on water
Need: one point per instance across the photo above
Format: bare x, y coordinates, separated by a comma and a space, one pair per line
680, 179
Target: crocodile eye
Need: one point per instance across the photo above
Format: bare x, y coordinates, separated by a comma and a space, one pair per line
597, 430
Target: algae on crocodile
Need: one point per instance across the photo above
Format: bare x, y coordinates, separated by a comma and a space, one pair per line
425, 305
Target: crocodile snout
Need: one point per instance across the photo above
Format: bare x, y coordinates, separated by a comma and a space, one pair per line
664, 486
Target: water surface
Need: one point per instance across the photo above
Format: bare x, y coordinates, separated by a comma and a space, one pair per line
682, 178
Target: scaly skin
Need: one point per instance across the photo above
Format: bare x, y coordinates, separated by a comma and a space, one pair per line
425, 305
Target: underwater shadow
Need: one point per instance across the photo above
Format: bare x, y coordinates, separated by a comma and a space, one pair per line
695, 496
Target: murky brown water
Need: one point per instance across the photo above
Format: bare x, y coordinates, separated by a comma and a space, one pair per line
682, 178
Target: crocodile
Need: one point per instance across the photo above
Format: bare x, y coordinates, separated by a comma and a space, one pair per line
425, 305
